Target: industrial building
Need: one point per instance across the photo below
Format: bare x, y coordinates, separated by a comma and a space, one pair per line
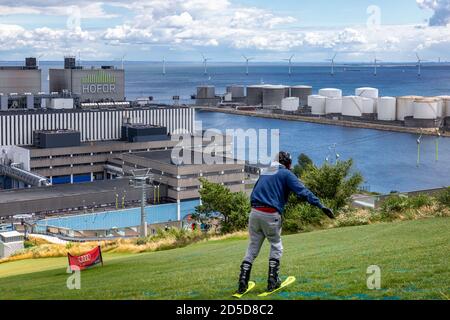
91, 85
17, 127
20, 79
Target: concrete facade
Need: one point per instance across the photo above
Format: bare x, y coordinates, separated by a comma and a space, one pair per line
20, 81
91, 84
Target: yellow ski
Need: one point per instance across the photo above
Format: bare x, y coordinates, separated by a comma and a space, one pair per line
287, 282
251, 285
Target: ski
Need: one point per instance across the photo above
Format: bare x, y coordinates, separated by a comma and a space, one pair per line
287, 282
251, 285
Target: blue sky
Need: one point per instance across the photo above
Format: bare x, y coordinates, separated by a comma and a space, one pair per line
180, 30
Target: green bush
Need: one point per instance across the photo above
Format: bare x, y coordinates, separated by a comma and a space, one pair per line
334, 184
300, 216
419, 201
234, 207
443, 198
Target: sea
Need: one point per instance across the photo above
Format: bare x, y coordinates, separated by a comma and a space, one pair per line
388, 160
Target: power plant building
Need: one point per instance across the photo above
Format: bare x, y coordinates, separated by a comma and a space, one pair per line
92, 85
20, 79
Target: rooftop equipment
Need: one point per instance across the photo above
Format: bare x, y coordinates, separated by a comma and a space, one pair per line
143, 133
56, 138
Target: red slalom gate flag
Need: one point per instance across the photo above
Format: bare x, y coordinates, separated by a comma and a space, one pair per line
86, 260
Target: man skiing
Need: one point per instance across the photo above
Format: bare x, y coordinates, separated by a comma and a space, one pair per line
268, 199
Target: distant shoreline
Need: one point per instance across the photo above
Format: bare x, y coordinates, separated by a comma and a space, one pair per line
342, 123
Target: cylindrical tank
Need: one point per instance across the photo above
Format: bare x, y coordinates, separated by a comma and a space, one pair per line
317, 104
352, 106
273, 95
290, 104
331, 93
301, 92
206, 92
387, 108
426, 108
333, 105
368, 105
237, 91
405, 107
367, 92
445, 106
255, 95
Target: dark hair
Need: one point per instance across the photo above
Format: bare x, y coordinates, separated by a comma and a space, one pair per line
285, 159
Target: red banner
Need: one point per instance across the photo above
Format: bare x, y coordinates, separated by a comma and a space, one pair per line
86, 260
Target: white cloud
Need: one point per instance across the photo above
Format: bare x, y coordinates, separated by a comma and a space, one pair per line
441, 11
191, 24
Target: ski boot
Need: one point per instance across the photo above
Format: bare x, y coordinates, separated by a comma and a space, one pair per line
274, 281
244, 277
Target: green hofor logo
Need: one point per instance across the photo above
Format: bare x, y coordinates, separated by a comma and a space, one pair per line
99, 77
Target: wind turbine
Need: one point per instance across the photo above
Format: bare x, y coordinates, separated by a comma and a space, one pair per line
375, 61
164, 66
246, 63
419, 65
332, 63
290, 64
205, 60
122, 59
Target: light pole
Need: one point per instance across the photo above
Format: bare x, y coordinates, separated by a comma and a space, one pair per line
139, 181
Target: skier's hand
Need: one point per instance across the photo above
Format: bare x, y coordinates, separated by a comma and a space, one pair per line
329, 213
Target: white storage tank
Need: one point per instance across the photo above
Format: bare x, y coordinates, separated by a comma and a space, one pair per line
352, 106
61, 103
317, 104
333, 105
387, 108
367, 92
445, 106
405, 107
368, 105
426, 108
290, 104
330, 93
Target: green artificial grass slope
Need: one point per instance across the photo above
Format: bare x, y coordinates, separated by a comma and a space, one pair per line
413, 257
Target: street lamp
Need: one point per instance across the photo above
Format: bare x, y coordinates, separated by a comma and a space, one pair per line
140, 180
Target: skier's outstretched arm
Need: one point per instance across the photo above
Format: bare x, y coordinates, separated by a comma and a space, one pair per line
305, 194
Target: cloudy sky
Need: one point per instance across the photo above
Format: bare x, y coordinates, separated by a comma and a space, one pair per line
180, 30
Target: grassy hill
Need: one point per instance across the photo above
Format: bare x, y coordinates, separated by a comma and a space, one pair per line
413, 257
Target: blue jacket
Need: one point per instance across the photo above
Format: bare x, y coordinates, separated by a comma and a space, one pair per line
274, 186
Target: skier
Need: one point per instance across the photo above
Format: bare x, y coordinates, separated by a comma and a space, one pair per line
268, 199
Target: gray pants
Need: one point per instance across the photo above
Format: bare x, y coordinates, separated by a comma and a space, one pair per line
261, 226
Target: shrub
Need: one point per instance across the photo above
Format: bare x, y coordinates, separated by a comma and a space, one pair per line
443, 198
334, 184
217, 199
419, 201
300, 216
